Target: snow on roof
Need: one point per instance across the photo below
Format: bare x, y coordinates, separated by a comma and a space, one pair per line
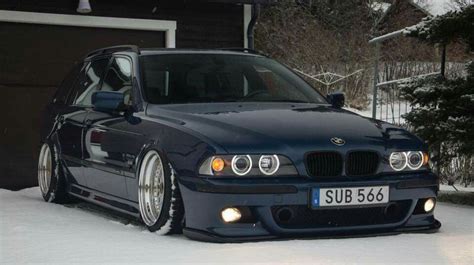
435, 7
380, 6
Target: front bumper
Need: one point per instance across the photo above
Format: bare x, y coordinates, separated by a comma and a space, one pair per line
205, 198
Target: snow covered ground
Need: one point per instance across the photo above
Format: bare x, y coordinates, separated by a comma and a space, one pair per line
460, 187
34, 231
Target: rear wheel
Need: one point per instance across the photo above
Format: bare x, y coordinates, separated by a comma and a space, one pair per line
160, 203
50, 176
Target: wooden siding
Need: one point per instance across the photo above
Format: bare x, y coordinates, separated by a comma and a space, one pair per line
34, 59
199, 24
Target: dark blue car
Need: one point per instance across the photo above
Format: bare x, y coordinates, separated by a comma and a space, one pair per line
228, 146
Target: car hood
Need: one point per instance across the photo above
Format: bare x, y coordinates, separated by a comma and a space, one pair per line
283, 127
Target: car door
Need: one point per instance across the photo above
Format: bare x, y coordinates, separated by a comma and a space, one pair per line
71, 119
110, 143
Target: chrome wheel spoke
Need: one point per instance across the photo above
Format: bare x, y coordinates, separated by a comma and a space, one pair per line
151, 188
45, 169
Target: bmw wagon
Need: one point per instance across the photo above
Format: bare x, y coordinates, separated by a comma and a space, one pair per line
227, 146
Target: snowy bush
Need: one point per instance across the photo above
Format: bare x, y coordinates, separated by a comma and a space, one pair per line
451, 27
443, 108
443, 115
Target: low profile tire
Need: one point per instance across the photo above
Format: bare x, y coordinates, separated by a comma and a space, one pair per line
51, 179
160, 204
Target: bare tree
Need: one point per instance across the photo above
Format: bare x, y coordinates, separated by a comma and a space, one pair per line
327, 36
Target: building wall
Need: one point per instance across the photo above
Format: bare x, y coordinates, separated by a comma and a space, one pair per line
403, 14
400, 15
27, 84
199, 24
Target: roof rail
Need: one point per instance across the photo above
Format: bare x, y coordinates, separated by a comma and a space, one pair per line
112, 49
246, 50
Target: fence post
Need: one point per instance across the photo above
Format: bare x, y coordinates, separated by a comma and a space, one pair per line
443, 60
376, 79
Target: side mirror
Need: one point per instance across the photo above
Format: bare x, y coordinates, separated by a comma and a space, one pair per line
108, 101
337, 99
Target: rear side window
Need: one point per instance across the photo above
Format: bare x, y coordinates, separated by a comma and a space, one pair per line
119, 78
89, 82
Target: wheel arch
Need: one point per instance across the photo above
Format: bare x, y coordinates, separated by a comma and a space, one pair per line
183, 150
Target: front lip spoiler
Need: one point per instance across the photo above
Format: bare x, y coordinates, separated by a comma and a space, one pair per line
199, 235
213, 238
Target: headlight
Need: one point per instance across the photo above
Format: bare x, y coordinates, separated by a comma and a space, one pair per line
413, 160
268, 165
398, 161
247, 165
241, 165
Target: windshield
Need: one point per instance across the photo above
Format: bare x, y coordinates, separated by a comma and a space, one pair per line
207, 78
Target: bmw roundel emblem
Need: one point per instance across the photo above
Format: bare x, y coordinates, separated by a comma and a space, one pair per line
338, 141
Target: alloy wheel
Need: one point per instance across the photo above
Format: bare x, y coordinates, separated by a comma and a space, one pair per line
151, 188
45, 169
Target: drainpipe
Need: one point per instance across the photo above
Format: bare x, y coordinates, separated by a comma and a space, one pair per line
251, 27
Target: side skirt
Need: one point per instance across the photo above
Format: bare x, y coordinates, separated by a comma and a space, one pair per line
105, 200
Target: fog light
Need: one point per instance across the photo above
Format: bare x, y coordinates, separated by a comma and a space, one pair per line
230, 215
429, 205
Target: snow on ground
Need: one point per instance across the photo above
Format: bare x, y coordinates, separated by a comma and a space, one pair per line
444, 187
34, 231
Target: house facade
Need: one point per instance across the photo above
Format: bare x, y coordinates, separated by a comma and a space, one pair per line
41, 40
405, 13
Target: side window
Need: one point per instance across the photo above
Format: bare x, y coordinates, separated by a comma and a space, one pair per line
89, 82
119, 78
65, 87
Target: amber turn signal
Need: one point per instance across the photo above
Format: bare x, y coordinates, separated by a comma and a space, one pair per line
217, 164
426, 158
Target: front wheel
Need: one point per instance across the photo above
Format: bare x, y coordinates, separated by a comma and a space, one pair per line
160, 203
51, 179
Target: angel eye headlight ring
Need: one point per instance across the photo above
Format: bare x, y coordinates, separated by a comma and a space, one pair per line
241, 164
269, 164
398, 161
415, 160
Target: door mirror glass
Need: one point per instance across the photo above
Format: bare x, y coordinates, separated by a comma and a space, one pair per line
337, 99
108, 101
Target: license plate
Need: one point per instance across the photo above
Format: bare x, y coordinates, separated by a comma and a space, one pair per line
325, 197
